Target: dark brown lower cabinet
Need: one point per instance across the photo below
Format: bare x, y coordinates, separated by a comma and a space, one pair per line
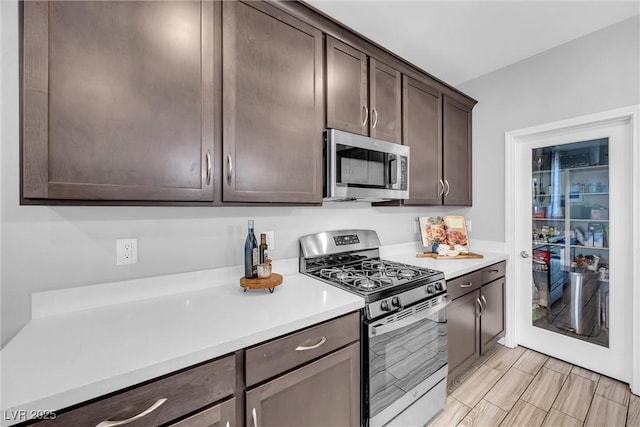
221, 415
463, 323
475, 316
492, 320
323, 393
162, 400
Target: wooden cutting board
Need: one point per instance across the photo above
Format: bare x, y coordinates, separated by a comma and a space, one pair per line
269, 283
468, 255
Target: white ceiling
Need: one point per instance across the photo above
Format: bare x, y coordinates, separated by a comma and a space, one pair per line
457, 41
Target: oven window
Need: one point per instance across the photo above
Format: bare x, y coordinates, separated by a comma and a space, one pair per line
357, 167
401, 359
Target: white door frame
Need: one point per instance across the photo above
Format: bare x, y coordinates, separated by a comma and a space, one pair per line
632, 114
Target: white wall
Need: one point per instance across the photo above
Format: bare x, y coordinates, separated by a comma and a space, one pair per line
597, 72
45, 248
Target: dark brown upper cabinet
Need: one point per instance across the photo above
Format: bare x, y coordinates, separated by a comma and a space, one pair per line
456, 131
118, 101
272, 106
422, 124
362, 98
438, 130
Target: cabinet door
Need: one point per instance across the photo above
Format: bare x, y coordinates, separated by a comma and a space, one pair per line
385, 90
492, 319
221, 415
463, 325
422, 131
457, 153
272, 106
118, 100
323, 393
347, 88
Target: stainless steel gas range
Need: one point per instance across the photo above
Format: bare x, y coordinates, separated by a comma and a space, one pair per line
404, 329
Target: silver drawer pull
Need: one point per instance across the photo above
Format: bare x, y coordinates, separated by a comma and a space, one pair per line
227, 424
147, 411
254, 417
468, 285
311, 347
494, 271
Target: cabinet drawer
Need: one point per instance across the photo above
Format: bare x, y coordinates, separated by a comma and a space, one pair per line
272, 358
464, 284
221, 415
185, 392
493, 272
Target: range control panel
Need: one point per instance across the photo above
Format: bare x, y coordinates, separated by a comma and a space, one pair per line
346, 239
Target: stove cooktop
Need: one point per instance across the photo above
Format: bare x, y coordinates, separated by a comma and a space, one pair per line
371, 276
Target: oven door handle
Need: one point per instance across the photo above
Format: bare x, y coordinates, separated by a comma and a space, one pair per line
381, 329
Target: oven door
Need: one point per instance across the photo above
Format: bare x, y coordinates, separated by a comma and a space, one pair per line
406, 356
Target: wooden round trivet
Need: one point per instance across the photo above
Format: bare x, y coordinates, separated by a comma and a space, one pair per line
269, 283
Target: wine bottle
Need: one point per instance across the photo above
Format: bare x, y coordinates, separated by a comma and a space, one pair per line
263, 248
250, 254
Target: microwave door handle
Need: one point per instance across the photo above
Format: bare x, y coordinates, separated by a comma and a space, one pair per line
393, 170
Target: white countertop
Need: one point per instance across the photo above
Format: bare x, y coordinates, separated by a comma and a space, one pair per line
86, 342
406, 254
67, 358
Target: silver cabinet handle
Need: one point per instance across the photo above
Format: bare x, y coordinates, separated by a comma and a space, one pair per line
441, 192
208, 167
147, 411
366, 115
524, 254
311, 347
448, 187
494, 271
229, 168
375, 118
479, 311
468, 285
254, 417
484, 300
227, 424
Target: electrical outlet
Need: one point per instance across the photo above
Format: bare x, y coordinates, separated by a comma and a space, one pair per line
469, 227
126, 251
271, 242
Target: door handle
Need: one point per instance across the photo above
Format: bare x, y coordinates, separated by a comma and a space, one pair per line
441, 192
484, 300
366, 115
208, 167
229, 168
479, 306
525, 254
375, 118
448, 187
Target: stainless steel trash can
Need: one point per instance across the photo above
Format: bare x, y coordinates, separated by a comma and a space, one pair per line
582, 299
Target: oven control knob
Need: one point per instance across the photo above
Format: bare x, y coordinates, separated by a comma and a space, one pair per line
384, 306
395, 301
438, 286
431, 289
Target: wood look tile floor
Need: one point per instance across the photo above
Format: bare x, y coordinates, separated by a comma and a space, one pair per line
520, 387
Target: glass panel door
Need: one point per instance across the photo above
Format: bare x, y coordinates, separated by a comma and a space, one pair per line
570, 240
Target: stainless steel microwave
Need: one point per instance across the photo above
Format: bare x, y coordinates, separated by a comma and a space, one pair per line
357, 167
